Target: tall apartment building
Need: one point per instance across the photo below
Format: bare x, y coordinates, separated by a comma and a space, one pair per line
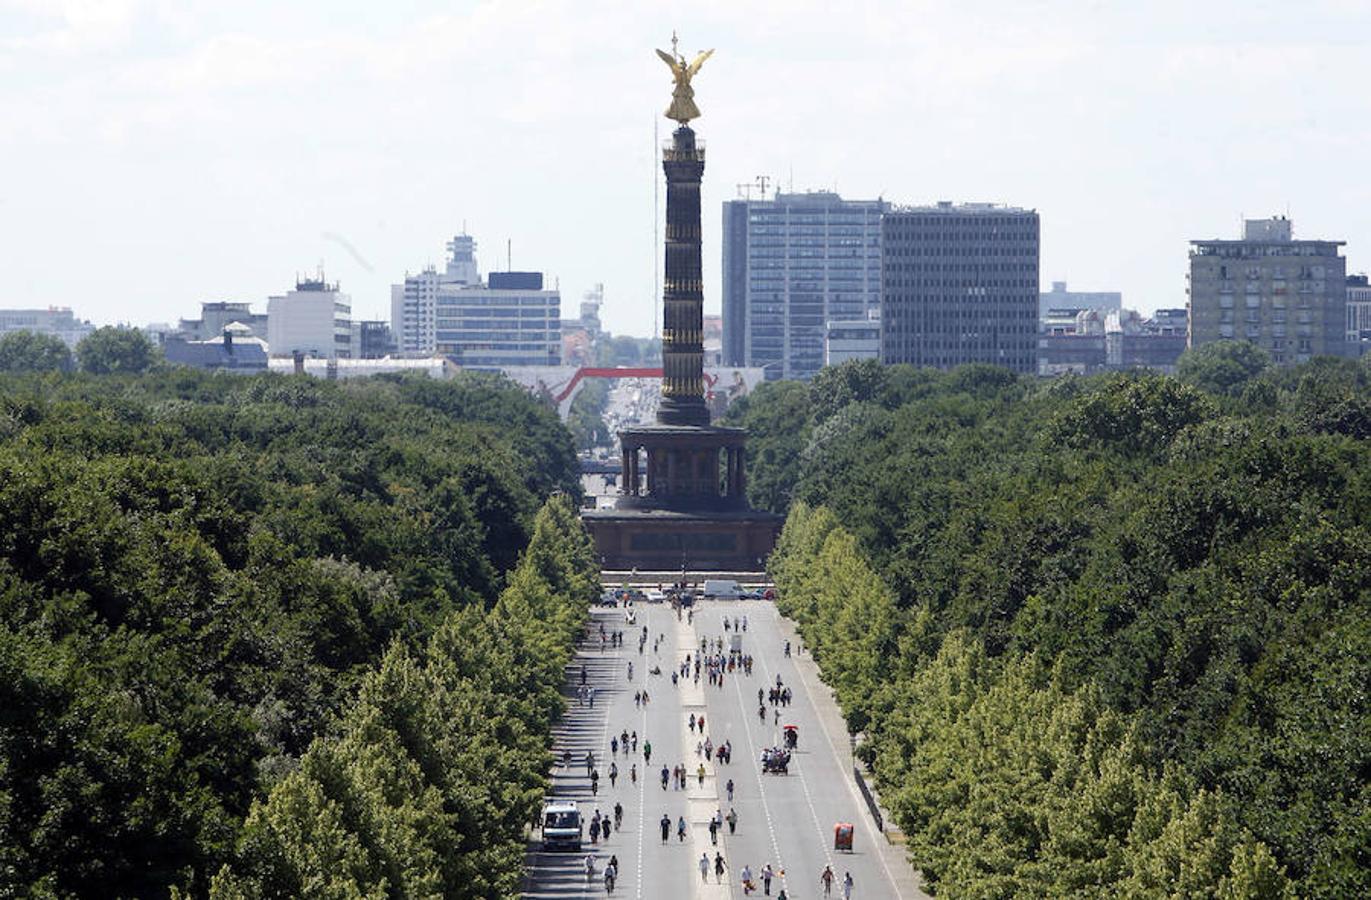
315, 319
1287, 296
511, 321
959, 284
791, 265
413, 303
55, 320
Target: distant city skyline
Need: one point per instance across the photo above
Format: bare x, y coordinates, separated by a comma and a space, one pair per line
166, 154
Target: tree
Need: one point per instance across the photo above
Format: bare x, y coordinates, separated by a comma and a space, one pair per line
1223, 367
30, 351
116, 350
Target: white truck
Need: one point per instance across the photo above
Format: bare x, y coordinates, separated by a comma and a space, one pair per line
722, 589
561, 825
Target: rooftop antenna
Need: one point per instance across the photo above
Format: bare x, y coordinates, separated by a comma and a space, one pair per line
509, 254
745, 190
762, 182
790, 186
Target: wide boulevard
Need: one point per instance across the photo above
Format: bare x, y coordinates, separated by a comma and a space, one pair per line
785, 820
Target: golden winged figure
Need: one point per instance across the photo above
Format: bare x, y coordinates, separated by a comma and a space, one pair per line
682, 107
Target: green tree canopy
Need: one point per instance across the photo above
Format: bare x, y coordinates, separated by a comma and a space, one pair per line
1223, 367
29, 351
116, 350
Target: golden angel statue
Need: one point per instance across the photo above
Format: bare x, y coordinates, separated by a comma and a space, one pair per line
682, 107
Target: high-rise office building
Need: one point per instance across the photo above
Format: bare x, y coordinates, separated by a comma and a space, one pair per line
1287, 296
792, 265
412, 304
315, 320
959, 284
511, 321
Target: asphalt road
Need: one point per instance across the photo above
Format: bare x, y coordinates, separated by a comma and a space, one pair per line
784, 820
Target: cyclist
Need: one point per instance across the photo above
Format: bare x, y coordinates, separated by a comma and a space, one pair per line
590, 866
611, 871
594, 782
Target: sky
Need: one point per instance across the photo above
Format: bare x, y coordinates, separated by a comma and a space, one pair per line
159, 153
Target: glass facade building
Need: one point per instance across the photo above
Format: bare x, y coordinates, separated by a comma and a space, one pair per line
791, 265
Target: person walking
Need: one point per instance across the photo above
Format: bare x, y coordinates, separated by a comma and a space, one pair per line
647, 752
719, 867
847, 886
826, 878
680, 829
613, 773
666, 827
729, 788
732, 820
714, 832
700, 775
704, 866
767, 874
618, 816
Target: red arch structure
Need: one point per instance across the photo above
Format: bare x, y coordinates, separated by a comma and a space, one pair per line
568, 392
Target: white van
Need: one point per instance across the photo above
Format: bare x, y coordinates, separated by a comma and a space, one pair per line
561, 825
722, 589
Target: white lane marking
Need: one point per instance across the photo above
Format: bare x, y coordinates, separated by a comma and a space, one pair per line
862, 814
642, 778
804, 784
761, 779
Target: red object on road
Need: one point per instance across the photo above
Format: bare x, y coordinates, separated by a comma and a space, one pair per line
842, 836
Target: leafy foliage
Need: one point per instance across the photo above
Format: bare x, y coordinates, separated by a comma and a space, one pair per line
210, 590
116, 350
30, 351
1112, 630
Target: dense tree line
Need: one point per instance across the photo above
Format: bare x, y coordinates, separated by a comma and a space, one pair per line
243, 619
1102, 636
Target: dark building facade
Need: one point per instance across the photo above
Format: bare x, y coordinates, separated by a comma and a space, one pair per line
682, 502
375, 340
959, 284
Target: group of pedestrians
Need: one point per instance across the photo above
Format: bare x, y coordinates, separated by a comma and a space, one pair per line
716, 664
